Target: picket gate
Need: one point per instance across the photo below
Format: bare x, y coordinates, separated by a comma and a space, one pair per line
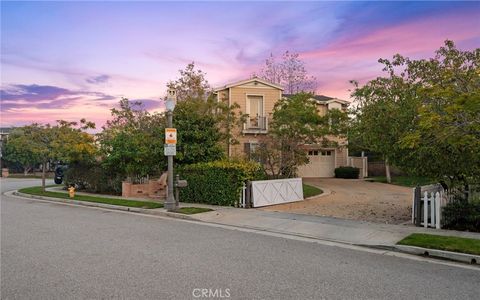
427, 206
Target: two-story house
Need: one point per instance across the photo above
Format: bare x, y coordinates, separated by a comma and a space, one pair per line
256, 98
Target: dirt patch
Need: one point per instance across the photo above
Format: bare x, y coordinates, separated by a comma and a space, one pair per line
356, 200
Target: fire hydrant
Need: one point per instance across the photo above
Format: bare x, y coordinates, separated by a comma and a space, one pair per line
71, 192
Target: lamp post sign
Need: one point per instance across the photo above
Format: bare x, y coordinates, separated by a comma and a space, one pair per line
170, 136
170, 148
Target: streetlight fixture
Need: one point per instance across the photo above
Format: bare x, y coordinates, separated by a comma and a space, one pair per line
170, 142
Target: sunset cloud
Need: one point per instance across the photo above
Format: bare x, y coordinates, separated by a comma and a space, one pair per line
71, 60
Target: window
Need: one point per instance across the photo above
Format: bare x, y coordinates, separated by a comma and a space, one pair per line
255, 111
327, 153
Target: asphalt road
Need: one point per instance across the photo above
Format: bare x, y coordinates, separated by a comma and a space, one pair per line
55, 251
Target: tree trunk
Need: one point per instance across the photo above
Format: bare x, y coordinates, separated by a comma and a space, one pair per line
387, 171
25, 171
44, 170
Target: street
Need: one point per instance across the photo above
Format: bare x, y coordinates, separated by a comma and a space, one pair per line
56, 251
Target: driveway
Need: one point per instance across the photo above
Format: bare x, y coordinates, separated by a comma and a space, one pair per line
355, 200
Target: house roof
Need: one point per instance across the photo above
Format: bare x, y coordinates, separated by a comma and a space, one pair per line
254, 79
323, 99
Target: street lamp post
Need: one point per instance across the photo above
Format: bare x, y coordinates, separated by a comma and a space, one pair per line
170, 203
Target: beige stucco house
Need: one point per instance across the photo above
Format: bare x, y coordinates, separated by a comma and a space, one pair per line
256, 98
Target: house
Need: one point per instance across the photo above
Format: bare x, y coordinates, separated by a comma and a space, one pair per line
256, 98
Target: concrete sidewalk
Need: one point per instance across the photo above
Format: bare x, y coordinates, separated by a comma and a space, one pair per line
318, 227
324, 228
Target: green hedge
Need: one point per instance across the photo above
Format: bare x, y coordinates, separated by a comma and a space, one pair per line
347, 172
461, 215
218, 182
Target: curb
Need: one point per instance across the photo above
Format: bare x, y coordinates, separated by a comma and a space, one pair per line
412, 250
108, 206
455, 256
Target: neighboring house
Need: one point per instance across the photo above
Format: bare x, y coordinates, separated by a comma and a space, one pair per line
257, 98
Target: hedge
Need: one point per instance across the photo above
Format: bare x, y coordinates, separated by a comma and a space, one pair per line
347, 172
218, 182
461, 215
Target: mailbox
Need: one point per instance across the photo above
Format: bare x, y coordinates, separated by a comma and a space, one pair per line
182, 183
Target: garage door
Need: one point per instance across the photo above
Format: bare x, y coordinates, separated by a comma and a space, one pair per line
322, 164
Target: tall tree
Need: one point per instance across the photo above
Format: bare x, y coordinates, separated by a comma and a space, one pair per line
424, 115
132, 142
289, 72
191, 84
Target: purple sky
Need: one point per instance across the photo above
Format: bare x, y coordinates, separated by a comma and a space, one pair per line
69, 60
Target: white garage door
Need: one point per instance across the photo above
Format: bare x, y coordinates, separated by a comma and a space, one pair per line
322, 164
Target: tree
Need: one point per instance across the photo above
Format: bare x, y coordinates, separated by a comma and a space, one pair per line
191, 84
290, 73
386, 108
445, 143
46, 144
132, 142
20, 148
295, 123
424, 116
199, 137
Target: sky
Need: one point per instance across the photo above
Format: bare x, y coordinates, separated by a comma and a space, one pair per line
72, 60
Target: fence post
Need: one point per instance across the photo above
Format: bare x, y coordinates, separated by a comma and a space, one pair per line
248, 195
438, 199
418, 212
425, 209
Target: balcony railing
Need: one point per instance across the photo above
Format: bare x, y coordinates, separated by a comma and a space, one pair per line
256, 125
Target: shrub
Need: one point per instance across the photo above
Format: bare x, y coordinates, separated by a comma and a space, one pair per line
347, 172
217, 182
93, 178
461, 215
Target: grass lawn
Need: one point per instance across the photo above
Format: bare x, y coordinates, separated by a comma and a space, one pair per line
410, 181
28, 176
37, 190
309, 191
192, 210
447, 243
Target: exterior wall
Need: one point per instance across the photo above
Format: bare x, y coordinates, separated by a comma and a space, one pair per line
360, 163
341, 157
153, 189
238, 95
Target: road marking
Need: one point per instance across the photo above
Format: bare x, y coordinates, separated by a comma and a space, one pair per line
267, 233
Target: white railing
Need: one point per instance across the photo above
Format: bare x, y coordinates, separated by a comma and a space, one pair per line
256, 123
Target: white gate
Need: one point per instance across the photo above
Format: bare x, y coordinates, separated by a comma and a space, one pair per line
427, 209
270, 192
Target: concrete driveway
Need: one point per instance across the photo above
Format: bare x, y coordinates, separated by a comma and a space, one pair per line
356, 200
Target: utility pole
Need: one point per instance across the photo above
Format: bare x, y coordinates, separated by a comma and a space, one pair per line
170, 149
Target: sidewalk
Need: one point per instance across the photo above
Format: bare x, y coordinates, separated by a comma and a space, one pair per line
325, 228
318, 227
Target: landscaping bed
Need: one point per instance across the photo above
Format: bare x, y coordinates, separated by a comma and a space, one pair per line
409, 181
192, 210
37, 190
446, 243
310, 191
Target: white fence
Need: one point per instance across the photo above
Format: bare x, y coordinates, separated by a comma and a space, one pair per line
270, 192
427, 205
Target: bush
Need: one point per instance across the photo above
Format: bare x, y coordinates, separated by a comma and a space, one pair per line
93, 178
461, 215
347, 172
217, 182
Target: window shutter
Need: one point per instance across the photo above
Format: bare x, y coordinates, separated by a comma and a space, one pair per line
247, 150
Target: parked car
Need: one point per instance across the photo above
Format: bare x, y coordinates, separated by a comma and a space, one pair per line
59, 173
